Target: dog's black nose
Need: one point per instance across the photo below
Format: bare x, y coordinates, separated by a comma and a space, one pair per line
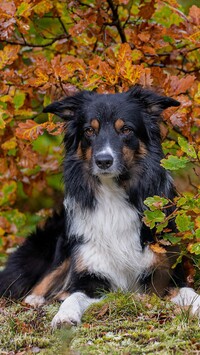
104, 161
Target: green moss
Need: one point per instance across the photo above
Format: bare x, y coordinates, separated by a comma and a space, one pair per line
120, 324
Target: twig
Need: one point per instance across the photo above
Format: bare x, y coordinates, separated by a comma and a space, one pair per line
27, 44
116, 22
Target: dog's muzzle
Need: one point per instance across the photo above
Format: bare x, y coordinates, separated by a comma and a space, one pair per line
104, 161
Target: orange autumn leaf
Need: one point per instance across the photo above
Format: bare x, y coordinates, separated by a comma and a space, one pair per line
30, 130
156, 248
179, 86
146, 10
194, 14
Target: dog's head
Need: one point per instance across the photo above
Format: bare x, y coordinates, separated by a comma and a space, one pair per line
111, 132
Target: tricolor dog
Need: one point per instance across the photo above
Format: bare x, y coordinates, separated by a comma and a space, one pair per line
98, 242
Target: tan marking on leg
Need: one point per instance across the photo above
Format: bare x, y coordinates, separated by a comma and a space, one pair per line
161, 275
95, 124
172, 292
42, 288
61, 296
162, 271
79, 265
119, 124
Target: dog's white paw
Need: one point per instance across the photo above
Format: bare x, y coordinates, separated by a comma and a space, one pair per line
67, 318
72, 309
188, 297
34, 300
195, 309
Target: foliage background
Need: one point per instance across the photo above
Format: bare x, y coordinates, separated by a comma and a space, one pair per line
49, 49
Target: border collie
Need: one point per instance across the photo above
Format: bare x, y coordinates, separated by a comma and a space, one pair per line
98, 242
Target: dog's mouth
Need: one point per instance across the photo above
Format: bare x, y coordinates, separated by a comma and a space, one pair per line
106, 173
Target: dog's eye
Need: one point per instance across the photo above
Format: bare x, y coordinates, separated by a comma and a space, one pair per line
89, 132
126, 130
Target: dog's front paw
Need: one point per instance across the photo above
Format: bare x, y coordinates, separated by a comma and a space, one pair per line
66, 318
34, 300
195, 309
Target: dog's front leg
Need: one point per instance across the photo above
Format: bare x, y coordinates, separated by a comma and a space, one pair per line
186, 296
72, 309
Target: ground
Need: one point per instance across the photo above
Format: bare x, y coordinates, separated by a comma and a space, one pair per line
121, 324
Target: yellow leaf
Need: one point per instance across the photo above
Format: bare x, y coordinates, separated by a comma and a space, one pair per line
2, 231
197, 95
2, 122
9, 144
24, 9
43, 7
108, 73
8, 55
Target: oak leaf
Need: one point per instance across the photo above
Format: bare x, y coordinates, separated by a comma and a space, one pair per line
179, 86
156, 248
8, 55
194, 14
146, 10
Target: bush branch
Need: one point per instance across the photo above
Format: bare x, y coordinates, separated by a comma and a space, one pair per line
116, 21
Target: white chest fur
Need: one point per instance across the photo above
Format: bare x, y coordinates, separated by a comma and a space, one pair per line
111, 238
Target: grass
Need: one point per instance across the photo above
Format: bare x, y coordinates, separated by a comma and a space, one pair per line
121, 324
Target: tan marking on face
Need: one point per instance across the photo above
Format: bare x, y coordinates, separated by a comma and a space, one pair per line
142, 149
43, 287
129, 155
88, 154
79, 151
119, 124
95, 124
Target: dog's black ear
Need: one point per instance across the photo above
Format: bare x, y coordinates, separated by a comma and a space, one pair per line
153, 102
67, 107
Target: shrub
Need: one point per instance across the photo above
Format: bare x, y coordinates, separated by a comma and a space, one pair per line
50, 49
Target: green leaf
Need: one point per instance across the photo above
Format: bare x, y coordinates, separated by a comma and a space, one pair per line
23, 9
174, 163
166, 17
184, 223
8, 190
15, 217
195, 248
19, 99
181, 202
172, 238
155, 202
168, 39
187, 148
153, 217
161, 226
30, 225
197, 233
